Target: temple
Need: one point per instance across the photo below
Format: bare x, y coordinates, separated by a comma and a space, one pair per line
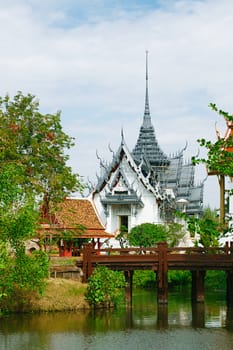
145, 184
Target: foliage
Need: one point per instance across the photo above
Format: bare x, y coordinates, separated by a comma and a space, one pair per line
32, 169
175, 232
219, 160
122, 237
30, 272
179, 278
20, 273
147, 278
207, 227
18, 214
6, 272
144, 278
37, 143
147, 235
18, 222
215, 279
104, 287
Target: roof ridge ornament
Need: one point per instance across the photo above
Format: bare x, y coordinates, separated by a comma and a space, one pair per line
110, 149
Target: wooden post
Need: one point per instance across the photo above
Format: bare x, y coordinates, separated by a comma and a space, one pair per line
222, 198
198, 315
162, 280
229, 287
162, 316
129, 287
87, 268
198, 286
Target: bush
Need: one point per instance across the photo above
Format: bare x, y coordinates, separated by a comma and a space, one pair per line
179, 278
104, 287
147, 235
144, 279
215, 280
147, 278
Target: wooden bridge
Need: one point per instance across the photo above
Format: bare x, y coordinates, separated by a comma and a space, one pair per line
160, 259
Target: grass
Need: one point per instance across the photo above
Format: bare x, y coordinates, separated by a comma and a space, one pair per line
61, 295
58, 261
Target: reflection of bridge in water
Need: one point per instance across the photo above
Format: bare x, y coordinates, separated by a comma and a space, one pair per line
197, 318
161, 259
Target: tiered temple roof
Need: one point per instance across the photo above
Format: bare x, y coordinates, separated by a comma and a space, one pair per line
170, 172
147, 145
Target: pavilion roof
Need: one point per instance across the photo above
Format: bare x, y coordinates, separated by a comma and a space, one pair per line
79, 217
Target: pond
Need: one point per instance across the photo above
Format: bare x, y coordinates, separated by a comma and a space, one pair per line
177, 326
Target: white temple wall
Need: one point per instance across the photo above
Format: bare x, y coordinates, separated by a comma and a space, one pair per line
100, 209
130, 180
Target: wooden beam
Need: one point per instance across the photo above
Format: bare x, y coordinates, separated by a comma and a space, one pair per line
222, 198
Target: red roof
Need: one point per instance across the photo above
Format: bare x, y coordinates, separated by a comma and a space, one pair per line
79, 217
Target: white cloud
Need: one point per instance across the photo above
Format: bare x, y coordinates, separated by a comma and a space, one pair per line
91, 65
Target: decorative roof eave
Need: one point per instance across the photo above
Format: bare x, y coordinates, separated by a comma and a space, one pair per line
144, 180
124, 151
119, 173
118, 156
122, 199
57, 230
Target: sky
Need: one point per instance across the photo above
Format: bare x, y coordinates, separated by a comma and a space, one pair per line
87, 60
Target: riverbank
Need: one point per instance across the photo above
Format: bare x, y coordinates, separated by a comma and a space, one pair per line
61, 295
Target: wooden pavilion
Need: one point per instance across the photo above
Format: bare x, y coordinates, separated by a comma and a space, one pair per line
74, 222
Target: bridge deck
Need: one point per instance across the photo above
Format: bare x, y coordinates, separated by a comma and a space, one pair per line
158, 258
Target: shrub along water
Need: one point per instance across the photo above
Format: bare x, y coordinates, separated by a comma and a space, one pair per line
176, 278
104, 287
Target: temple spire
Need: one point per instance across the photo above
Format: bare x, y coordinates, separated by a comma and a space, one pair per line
147, 146
147, 117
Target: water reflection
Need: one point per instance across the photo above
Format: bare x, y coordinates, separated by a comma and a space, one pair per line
144, 322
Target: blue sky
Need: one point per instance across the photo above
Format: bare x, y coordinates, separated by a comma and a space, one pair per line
87, 59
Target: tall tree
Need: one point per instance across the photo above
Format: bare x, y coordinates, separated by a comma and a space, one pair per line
219, 153
32, 170
37, 142
18, 222
207, 227
219, 160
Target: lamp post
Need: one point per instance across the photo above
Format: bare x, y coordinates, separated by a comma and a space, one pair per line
182, 205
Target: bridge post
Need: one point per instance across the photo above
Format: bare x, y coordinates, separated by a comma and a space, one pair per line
162, 279
229, 287
129, 286
162, 316
198, 286
87, 268
198, 315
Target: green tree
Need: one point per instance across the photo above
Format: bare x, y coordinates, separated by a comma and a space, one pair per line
175, 232
207, 226
219, 160
147, 235
18, 222
33, 171
37, 142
